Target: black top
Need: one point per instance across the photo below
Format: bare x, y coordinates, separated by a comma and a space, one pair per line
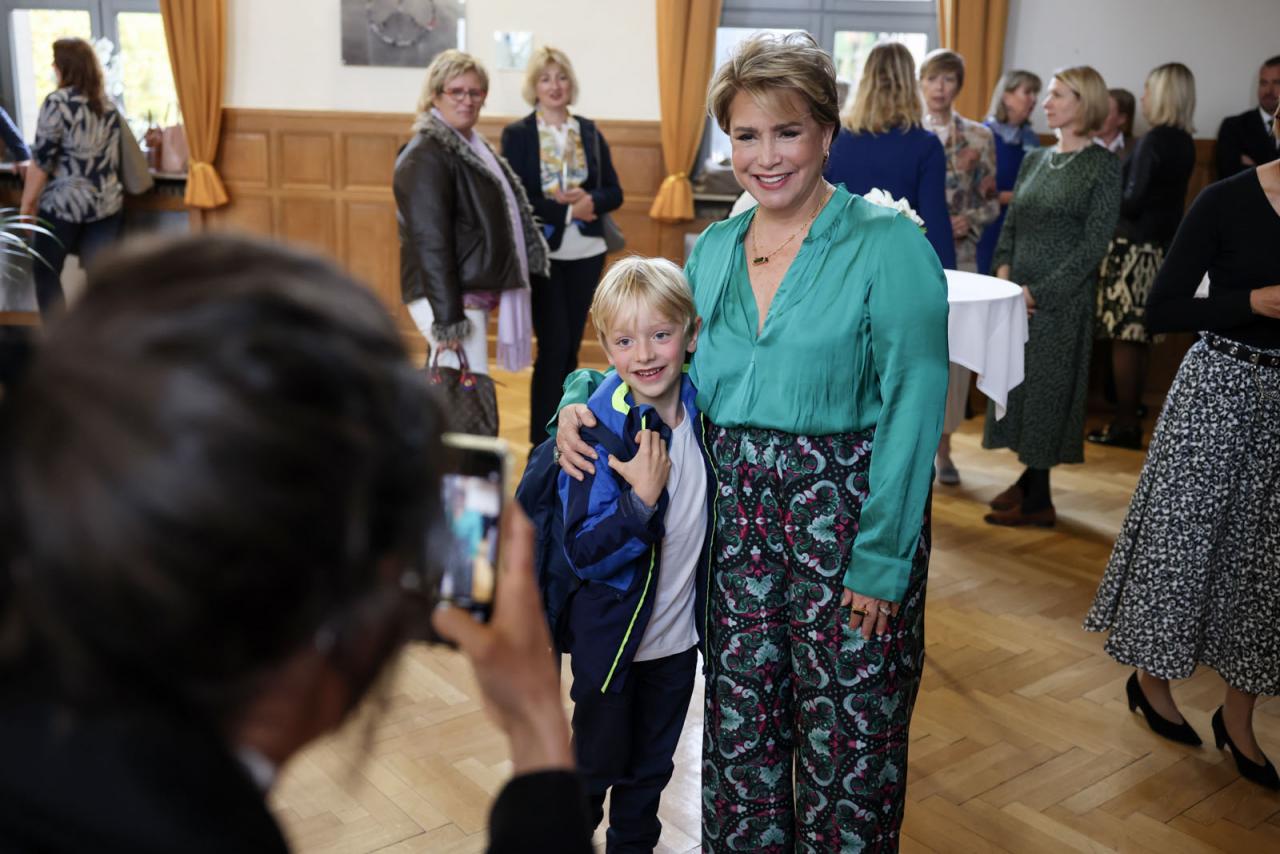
1155, 185
1231, 232
141, 780
1244, 134
523, 151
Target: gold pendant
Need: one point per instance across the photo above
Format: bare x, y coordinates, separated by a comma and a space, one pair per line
763, 259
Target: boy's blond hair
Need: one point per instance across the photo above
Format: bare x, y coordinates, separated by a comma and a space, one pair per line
635, 281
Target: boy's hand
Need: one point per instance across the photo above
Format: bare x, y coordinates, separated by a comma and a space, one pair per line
648, 470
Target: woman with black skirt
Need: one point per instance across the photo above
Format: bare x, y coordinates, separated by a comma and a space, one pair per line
1155, 192
1195, 574
563, 161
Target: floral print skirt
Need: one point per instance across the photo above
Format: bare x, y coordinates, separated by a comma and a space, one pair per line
1194, 577
805, 737
1124, 283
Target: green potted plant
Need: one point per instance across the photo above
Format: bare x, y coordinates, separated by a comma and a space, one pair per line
16, 254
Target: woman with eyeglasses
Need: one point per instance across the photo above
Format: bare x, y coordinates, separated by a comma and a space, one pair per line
215, 483
468, 240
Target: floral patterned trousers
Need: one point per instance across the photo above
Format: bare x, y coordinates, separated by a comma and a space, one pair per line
805, 737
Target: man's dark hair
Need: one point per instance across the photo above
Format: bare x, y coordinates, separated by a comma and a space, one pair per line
1275, 60
212, 456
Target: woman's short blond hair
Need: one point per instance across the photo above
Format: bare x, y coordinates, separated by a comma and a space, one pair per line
774, 70
654, 283
1171, 96
887, 95
940, 61
446, 66
1011, 81
1091, 89
542, 58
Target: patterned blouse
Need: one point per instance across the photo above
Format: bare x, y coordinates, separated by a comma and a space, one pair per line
81, 152
561, 155
971, 161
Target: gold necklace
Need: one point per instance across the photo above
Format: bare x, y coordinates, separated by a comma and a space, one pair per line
759, 259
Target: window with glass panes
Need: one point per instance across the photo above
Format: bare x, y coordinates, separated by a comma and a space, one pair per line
129, 38
847, 29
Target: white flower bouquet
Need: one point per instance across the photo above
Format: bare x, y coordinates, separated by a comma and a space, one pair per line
885, 200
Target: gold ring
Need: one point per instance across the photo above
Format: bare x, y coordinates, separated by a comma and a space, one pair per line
860, 612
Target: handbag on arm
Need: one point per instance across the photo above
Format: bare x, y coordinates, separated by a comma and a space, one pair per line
470, 400
134, 174
614, 239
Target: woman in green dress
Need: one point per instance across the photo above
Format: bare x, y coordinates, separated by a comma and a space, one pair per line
1065, 206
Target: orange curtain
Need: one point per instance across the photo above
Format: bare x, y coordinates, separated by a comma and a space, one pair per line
686, 49
975, 29
196, 32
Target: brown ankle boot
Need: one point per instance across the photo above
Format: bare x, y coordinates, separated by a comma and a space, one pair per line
1009, 499
1015, 518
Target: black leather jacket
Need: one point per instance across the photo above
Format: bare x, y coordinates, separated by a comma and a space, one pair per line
455, 234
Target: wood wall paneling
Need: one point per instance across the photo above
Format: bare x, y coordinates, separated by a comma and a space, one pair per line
306, 161
368, 160
310, 222
373, 247
248, 214
244, 159
323, 180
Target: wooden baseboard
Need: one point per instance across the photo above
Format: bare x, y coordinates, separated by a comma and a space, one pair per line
19, 318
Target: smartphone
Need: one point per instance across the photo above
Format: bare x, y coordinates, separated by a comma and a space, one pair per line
461, 553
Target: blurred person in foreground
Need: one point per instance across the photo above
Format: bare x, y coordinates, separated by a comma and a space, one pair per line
167, 639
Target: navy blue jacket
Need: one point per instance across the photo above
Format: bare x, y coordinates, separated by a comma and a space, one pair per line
907, 163
521, 149
13, 141
615, 545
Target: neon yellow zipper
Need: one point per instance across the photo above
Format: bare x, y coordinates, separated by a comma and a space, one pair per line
653, 556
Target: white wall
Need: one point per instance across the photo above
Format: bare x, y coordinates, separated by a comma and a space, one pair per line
286, 55
1223, 42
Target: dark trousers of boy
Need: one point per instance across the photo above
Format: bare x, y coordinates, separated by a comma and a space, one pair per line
560, 306
625, 741
85, 239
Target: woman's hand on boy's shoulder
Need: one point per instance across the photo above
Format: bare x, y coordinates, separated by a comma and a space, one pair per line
575, 456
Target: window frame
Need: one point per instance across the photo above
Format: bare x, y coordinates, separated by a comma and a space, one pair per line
823, 19
102, 24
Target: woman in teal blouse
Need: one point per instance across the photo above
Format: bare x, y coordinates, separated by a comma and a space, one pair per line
822, 373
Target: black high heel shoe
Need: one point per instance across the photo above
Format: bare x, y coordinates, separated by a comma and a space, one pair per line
1263, 775
1161, 726
1117, 437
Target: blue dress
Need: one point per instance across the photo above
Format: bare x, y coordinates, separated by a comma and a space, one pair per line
1012, 144
906, 163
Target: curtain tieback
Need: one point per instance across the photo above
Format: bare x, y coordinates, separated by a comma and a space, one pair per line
673, 177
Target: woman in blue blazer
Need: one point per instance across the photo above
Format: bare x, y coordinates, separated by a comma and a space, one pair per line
563, 161
883, 145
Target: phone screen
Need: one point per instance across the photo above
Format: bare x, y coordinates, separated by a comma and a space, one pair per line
473, 507
472, 492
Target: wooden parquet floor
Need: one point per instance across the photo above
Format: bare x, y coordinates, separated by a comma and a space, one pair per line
1021, 740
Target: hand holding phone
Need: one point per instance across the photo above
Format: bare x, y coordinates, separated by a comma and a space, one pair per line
461, 557
512, 657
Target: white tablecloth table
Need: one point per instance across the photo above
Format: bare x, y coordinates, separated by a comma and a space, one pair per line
987, 331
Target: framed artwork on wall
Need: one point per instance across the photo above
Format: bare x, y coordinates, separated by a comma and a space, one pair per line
401, 33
